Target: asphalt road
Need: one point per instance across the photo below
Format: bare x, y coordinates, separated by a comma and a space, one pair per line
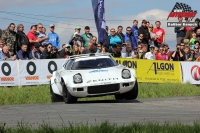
182, 109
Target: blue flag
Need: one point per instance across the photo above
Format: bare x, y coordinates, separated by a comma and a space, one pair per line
99, 16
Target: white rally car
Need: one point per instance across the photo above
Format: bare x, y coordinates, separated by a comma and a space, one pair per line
92, 75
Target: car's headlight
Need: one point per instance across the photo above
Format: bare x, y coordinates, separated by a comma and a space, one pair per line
77, 78
126, 74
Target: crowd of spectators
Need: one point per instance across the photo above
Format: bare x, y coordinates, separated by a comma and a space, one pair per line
144, 42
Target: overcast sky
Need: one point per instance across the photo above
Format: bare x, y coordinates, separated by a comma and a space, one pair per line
66, 14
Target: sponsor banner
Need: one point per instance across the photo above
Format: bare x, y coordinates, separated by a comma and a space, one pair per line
30, 72
153, 70
191, 72
33, 72
9, 73
48, 66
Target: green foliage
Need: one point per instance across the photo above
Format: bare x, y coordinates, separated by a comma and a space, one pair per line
41, 94
105, 127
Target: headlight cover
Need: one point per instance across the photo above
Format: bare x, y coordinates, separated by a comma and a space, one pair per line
126, 74
77, 78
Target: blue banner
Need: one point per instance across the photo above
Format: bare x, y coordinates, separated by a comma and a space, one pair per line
99, 16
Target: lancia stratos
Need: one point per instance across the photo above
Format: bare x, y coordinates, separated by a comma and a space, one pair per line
92, 75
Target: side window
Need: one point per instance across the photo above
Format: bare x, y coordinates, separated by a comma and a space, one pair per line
69, 64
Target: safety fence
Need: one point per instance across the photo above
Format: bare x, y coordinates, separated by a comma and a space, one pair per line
34, 72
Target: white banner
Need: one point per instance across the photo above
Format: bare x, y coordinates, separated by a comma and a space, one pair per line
48, 66
191, 72
9, 73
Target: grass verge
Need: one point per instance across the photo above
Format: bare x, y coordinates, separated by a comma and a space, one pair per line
40, 93
105, 127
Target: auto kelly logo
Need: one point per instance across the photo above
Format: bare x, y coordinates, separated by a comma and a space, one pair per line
182, 10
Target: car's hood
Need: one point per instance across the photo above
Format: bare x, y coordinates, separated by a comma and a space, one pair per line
101, 75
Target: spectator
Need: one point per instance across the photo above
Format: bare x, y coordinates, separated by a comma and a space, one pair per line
152, 35
0, 33
161, 54
156, 50
120, 34
150, 55
115, 52
94, 39
147, 24
32, 37
198, 27
189, 33
5, 55
103, 50
114, 39
140, 54
65, 52
160, 35
76, 39
1, 44
192, 55
178, 55
186, 42
48, 52
188, 56
55, 54
53, 37
198, 34
192, 40
23, 54
43, 50
141, 38
182, 46
180, 31
21, 38
81, 49
135, 33
92, 48
129, 37
144, 30
188, 28
36, 53
107, 41
196, 52
127, 51
99, 47
75, 50
41, 36
87, 36
9, 37
167, 51
145, 48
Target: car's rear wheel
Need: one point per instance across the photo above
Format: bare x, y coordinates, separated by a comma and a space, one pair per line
67, 97
55, 97
132, 94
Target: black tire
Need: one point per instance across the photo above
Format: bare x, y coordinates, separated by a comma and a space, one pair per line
119, 96
67, 97
55, 97
132, 94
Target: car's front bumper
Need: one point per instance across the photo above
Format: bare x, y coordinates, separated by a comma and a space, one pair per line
101, 89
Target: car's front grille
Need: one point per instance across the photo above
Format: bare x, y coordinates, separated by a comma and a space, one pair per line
103, 88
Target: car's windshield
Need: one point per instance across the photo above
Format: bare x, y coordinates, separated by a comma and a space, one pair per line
94, 63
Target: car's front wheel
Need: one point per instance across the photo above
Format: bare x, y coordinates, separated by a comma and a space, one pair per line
55, 97
132, 94
67, 97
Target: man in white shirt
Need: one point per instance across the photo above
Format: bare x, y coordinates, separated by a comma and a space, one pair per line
150, 55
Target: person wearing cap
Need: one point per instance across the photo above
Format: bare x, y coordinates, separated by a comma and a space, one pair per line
76, 38
64, 53
150, 55
87, 36
53, 37
127, 52
23, 54
36, 53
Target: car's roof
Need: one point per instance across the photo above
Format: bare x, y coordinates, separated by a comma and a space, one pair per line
90, 56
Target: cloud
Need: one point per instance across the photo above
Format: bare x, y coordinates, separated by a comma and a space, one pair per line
150, 15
